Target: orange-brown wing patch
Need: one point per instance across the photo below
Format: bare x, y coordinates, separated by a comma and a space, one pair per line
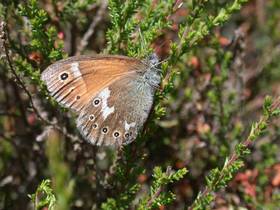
74, 81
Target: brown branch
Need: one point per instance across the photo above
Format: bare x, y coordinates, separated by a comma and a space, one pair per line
113, 169
234, 156
91, 29
159, 190
22, 85
17, 77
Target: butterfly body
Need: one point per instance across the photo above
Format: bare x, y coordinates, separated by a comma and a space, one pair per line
113, 95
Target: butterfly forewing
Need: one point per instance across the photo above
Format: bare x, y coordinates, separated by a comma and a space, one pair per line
117, 113
74, 81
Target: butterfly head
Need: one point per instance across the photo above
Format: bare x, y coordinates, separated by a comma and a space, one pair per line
153, 59
153, 72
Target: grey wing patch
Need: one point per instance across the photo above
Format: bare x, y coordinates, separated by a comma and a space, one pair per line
117, 113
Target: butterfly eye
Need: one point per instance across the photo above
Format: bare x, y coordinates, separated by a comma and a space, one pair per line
116, 134
105, 130
64, 76
126, 135
91, 117
96, 102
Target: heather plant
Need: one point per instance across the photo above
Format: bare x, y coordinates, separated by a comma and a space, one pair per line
211, 141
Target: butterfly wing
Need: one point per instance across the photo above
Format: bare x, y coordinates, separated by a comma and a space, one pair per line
73, 81
117, 113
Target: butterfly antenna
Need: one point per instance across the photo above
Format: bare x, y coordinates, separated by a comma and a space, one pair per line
177, 5
160, 62
142, 39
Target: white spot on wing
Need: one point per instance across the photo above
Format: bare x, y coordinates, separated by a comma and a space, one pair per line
127, 126
105, 109
75, 69
72, 88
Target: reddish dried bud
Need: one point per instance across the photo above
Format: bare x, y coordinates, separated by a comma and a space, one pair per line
142, 178
35, 56
203, 128
224, 41
60, 35
276, 178
31, 119
194, 62
162, 207
180, 164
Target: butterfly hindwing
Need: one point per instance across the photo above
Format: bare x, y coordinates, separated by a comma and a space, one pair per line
73, 81
117, 113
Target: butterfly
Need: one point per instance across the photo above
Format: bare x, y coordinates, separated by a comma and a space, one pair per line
112, 95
